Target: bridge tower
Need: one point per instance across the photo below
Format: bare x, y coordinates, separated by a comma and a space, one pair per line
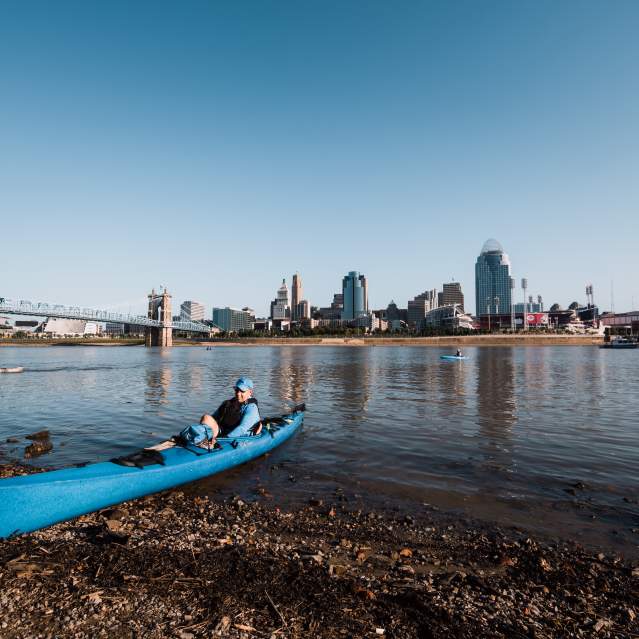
160, 309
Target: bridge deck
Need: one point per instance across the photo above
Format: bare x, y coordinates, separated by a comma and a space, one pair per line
42, 309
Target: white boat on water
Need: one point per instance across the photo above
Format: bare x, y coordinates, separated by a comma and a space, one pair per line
16, 369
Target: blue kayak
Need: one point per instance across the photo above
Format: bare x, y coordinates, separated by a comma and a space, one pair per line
452, 357
31, 502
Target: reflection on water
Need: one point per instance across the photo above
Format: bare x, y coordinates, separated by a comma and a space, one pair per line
158, 382
291, 376
512, 427
496, 408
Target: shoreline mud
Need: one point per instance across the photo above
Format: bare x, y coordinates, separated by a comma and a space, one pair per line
187, 566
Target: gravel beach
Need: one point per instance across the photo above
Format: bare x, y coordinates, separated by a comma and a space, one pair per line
174, 565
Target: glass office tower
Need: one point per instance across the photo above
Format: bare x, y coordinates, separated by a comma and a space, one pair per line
492, 280
355, 292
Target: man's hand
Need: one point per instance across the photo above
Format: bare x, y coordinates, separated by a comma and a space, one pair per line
257, 429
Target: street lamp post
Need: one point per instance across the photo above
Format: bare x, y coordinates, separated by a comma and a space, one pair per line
497, 309
488, 310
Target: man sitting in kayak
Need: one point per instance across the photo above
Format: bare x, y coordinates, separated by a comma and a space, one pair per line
459, 353
237, 416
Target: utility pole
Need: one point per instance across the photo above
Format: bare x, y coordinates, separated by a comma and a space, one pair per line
488, 309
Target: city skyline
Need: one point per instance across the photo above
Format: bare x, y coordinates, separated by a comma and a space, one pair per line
212, 133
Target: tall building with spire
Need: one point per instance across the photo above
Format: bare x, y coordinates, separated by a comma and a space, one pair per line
355, 292
492, 280
280, 308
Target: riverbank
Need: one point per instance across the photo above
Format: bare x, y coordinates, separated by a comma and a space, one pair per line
444, 341
173, 565
80, 341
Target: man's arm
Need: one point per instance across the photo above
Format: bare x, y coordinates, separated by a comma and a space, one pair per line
250, 417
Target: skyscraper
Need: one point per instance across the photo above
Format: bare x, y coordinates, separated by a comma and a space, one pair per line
296, 295
355, 292
419, 306
192, 311
280, 309
451, 294
492, 280
232, 320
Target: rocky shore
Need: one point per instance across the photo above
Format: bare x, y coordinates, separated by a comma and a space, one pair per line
174, 565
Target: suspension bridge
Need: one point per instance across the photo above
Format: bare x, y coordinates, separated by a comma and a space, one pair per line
158, 322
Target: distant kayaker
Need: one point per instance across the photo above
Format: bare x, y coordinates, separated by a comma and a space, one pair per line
237, 416
459, 353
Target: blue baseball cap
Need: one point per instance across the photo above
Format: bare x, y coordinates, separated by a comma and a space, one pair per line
244, 384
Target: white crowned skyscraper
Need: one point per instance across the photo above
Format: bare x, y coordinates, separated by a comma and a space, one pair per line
492, 280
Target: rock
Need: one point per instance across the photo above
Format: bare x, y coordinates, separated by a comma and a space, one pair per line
315, 502
115, 513
113, 525
544, 565
39, 435
337, 569
39, 447
13, 440
363, 553
222, 627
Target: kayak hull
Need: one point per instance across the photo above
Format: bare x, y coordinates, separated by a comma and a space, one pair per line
32, 502
452, 357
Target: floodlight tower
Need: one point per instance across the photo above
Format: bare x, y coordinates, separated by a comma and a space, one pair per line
540, 301
512, 304
524, 285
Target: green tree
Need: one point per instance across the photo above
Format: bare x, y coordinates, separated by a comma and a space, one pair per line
573, 306
555, 307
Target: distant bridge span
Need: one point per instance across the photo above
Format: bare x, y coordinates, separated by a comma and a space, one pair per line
43, 309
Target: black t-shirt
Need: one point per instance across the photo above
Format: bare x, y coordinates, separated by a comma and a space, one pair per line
229, 414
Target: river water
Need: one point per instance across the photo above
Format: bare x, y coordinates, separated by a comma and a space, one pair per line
545, 438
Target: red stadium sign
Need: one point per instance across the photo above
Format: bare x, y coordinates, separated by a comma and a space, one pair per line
537, 319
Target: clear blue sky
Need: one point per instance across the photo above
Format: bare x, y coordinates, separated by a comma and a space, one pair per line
216, 147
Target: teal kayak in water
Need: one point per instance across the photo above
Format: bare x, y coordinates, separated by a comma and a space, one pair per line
452, 357
31, 502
